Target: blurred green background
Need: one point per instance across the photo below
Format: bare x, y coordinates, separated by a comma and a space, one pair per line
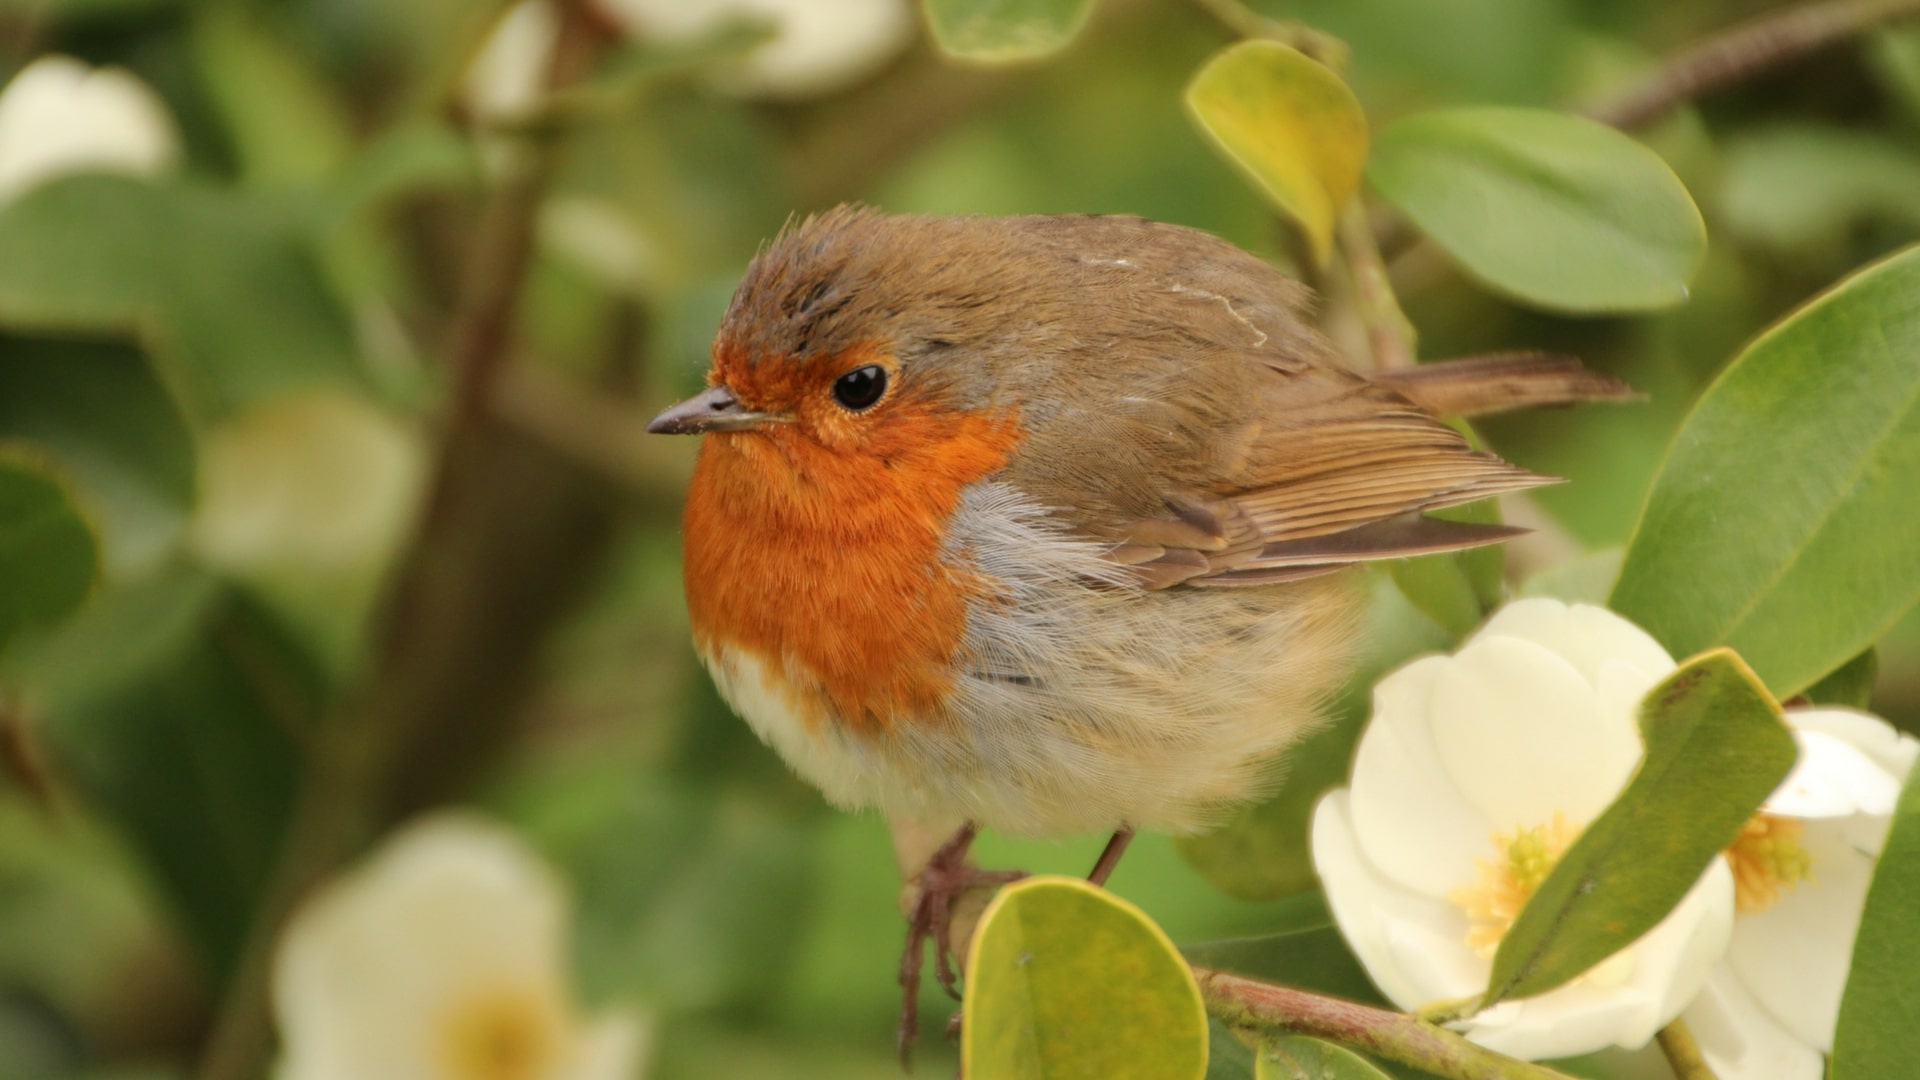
245, 370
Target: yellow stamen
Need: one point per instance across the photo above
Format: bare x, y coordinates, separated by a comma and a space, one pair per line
1767, 859
1509, 880
512, 1034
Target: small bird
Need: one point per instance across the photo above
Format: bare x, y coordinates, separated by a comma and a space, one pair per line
1037, 523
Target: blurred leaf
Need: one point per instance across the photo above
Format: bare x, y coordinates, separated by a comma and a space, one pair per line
1586, 579
1715, 749
1068, 980
1876, 1035
1297, 1057
1893, 56
1002, 31
1228, 1058
1305, 951
1262, 853
284, 123
49, 555
1801, 188
1553, 210
128, 631
186, 748
1850, 684
1290, 124
97, 409
225, 292
1456, 589
81, 10
401, 160
1783, 522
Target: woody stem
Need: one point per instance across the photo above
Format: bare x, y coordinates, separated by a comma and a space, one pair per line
1683, 1053
1268, 1011
1389, 333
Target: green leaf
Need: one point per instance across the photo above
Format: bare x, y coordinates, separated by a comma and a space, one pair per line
96, 408
1803, 189
1456, 589
1262, 853
225, 292
49, 555
1297, 1057
1290, 124
1003, 31
1850, 684
1549, 209
1876, 1035
1067, 980
1715, 749
283, 120
186, 746
1783, 522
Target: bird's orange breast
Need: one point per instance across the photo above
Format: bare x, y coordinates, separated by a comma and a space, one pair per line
828, 563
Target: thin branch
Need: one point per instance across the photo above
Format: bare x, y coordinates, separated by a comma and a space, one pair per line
1250, 24
1683, 1053
352, 756
1738, 54
1268, 1010
1389, 333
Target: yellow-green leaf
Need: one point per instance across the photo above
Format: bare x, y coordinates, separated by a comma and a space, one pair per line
48, 552
1067, 981
1290, 124
1004, 31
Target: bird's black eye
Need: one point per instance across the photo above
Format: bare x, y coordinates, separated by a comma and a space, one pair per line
860, 388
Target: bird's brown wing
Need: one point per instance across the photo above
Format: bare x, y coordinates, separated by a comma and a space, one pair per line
1340, 468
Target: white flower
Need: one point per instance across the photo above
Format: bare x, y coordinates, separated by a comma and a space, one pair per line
59, 116
442, 958
1474, 774
1802, 869
819, 46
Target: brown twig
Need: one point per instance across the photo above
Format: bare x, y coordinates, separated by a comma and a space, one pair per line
1389, 333
1737, 54
1267, 1010
1250, 24
1683, 1053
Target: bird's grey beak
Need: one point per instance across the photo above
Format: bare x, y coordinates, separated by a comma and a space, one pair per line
716, 409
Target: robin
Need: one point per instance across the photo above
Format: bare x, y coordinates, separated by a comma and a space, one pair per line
1038, 523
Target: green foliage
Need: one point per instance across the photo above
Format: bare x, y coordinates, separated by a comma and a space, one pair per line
1298, 1057
1783, 522
1552, 210
1290, 125
1876, 1035
223, 291
1715, 748
48, 551
1002, 31
1065, 980
1850, 684
1456, 590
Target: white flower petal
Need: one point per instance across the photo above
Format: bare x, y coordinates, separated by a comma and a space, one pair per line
1891, 749
59, 116
1589, 638
1410, 819
1741, 1040
1794, 956
611, 1047
1675, 958
1832, 778
819, 45
508, 76
1384, 923
1523, 736
1572, 1020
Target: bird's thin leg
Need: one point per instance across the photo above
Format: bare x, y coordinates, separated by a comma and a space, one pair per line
1110, 855
946, 875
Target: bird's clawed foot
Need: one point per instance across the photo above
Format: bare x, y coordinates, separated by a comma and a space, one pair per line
945, 878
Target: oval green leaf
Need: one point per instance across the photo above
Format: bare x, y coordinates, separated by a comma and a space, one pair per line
1005, 31
1549, 209
1715, 748
1066, 980
1290, 124
1297, 1057
48, 552
1876, 1035
1783, 522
